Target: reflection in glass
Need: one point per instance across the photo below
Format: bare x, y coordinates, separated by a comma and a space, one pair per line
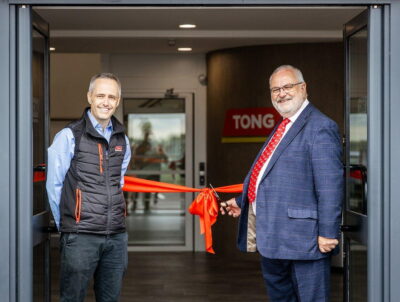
157, 134
357, 180
41, 286
38, 45
39, 272
156, 140
358, 277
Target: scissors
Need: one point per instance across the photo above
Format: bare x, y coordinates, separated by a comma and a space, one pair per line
221, 202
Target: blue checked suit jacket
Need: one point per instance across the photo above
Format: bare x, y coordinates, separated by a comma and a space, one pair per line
300, 194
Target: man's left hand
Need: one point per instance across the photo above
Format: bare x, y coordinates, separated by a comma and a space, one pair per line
326, 244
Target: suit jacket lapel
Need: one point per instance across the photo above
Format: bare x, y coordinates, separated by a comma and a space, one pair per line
289, 136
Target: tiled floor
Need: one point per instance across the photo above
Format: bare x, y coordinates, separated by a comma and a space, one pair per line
192, 277
162, 223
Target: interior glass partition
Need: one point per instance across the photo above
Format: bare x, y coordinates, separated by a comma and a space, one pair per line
157, 132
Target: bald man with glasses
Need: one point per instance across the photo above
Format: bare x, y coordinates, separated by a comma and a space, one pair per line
290, 208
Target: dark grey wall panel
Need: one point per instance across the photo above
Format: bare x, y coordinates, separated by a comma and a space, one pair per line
4, 153
13, 156
375, 154
24, 155
394, 163
386, 155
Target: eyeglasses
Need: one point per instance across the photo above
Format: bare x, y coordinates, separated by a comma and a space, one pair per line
287, 88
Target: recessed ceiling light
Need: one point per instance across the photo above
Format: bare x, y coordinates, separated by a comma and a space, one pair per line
184, 49
52, 49
187, 26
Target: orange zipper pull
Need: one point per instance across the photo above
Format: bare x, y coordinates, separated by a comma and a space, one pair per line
100, 157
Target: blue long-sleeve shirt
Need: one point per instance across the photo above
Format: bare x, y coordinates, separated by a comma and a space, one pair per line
60, 154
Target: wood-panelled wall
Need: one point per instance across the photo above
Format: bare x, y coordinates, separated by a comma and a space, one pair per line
238, 78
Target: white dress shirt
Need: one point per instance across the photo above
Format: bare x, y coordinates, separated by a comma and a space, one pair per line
264, 167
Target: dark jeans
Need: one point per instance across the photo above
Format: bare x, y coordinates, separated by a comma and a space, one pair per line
86, 255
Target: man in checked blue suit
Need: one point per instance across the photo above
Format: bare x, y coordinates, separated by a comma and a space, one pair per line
290, 208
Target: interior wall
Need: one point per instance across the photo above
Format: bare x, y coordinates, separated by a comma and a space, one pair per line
147, 74
143, 74
238, 78
70, 75
152, 75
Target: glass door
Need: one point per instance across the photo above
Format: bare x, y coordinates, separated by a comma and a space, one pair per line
356, 210
159, 130
363, 203
40, 140
33, 245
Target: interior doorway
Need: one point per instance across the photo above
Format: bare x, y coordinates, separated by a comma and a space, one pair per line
160, 129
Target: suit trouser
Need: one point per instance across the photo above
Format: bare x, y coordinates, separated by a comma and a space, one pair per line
297, 280
86, 255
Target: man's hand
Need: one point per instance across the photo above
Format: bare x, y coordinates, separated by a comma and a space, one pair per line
230, 206
327, 244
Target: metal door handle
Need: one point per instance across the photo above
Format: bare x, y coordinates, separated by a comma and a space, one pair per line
41, 167
349, 228
202, 174
50, 229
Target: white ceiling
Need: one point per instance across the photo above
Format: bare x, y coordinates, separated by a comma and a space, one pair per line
154, 29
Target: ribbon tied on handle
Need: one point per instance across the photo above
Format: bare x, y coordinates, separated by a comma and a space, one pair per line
205, 204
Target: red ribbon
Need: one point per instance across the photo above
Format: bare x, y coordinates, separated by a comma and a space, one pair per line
39, 176
205, 204
357, 174
39, 173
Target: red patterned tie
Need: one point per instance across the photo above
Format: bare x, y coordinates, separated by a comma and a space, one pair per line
251, 192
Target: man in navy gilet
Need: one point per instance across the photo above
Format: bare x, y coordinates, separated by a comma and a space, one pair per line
86, 165
290, 208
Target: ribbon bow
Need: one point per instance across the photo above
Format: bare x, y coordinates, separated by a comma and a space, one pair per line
205, 204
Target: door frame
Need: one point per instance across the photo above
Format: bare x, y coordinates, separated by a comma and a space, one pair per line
24, 158
190, 235
378, 61
383, 227
30, 229
40, 221
367, 232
